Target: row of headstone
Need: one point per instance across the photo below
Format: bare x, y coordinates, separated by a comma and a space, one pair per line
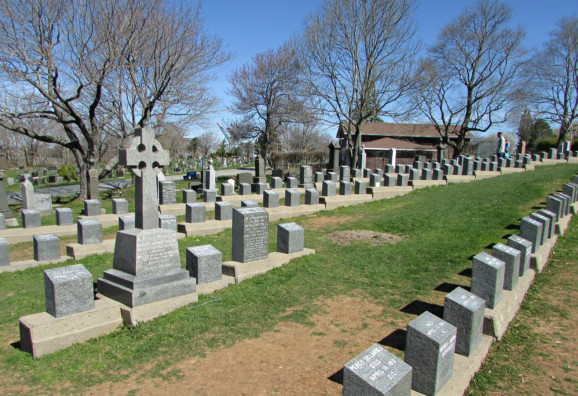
431, 341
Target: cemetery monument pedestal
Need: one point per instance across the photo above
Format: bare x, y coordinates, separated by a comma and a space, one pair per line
147, 265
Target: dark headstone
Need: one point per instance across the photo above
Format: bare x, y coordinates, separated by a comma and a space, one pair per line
167, 192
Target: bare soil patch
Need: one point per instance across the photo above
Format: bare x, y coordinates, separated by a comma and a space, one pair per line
375, 238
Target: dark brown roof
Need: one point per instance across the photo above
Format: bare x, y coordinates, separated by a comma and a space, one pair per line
387, 143
395, 130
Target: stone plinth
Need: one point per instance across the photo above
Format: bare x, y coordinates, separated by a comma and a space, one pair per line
68, 290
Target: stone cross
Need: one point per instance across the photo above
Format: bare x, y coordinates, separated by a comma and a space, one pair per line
145, 158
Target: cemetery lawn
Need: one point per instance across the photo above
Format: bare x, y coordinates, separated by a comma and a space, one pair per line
295, 327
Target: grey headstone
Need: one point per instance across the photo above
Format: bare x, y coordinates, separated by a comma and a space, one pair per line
92, 207
46, 247
28, 195
305, 176
126, 223
567, 202
332, 176
31, 218
260, 187
417, 165
552, 217
92, 190
4, 209
89, 231
448, 169
290, 238
525, 248
189, 196
167, 192
168, 222
556, 205
319, 177
291, 182
356, 173
426, 174
259, 170
488, 278
119, 206
379, 171
571, 190
344, 188
344, 173
400, 168
389, 180
328, 189
68, 290
223, 211
2, 222
195, 213
43, 203
209, 181
4, 252
389, 168
531, 230
64, 216
227, 189
546, 227
553, 153
374, 180
250, 234
245, 178
511, 258
429, 350
276, 182
367, 172
465, 311
209, 196
249, 203
292, 197
438, 174
360, 187
402, 180
375, 372
205, 263
244, 189
311, 196
270, 199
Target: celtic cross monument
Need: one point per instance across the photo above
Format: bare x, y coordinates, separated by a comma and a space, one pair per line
147, 264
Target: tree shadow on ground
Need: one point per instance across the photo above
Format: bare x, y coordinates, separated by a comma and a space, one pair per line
417, 307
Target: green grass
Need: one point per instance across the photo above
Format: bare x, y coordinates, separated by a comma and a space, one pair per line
443, 226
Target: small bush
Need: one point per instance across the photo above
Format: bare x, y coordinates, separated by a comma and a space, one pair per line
546, 144
68, 172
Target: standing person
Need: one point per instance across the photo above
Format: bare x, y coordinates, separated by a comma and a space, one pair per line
501, 151
507, 148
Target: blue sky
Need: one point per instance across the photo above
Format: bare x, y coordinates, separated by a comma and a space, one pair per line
248, 27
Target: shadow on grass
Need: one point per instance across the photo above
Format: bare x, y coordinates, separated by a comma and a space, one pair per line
337, 377
417, 307
512, 227
449, 287
395, 340
16, 345
466, 272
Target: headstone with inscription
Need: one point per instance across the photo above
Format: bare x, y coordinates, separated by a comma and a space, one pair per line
488, 278
429, 349
204, 263
68, 290
167, 192
305, 177
250, 234
344, 173
531, 230
465, 311
556, 205
260, 176
376, 371
146, 265
168, 222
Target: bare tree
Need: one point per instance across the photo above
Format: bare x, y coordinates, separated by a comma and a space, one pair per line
357, 59
207, 142
304, 137
553, 76
98, 68
470, 75
265, 95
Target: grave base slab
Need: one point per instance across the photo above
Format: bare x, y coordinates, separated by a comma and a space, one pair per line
465, 368
180, 209
481, 175
562, 224
505, 171
451, 179
496, 320
243, 271
283, 212
211, 287
208, 227
146, 312
42, 333
427, 183
338, 201
107, 220
78, 251
388, 192
22, 265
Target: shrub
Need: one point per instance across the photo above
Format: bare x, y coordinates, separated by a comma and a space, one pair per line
68, 172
